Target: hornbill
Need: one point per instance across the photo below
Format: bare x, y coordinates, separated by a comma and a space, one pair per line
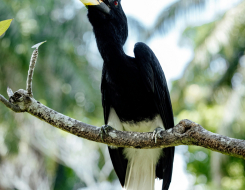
135, 97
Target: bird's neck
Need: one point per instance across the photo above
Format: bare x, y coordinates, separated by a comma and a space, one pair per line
111, 52
109, 47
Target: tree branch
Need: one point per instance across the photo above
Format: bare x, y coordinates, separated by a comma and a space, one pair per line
185, 133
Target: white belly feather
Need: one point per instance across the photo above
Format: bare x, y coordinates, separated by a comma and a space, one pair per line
143, 126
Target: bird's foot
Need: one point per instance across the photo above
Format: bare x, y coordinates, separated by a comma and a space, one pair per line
157, 133
104, 130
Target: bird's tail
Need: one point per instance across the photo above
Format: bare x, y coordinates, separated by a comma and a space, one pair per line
141, 168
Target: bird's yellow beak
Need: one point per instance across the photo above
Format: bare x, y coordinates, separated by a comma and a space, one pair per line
98, 4
91, 2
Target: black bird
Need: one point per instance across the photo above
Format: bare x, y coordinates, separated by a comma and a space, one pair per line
135, 97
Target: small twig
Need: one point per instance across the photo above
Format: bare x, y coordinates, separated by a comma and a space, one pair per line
30, 72
31, 69
9, 105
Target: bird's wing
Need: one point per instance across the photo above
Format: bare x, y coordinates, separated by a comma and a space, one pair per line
119, 162
154, 79
105, 101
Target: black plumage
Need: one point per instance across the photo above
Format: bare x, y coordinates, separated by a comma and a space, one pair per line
135, 88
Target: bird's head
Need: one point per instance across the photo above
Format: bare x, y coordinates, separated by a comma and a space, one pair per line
108, 20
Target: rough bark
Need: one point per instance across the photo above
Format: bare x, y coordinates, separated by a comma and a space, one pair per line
184, 133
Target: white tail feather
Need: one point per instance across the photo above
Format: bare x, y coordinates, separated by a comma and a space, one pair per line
141, 168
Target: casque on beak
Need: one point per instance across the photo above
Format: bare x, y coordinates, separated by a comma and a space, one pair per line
100, 5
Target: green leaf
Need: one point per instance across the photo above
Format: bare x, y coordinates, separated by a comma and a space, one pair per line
4, 25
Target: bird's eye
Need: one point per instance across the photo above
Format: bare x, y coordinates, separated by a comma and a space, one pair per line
116, 3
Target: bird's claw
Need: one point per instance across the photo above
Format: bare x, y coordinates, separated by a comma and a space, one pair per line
157, 133
104, 130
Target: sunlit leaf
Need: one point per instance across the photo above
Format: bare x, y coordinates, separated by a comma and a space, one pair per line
4, 25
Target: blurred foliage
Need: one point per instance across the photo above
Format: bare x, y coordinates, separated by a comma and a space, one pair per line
211, 92
67, 79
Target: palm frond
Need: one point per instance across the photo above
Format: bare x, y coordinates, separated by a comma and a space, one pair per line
223, 40
219, 38
181, 9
